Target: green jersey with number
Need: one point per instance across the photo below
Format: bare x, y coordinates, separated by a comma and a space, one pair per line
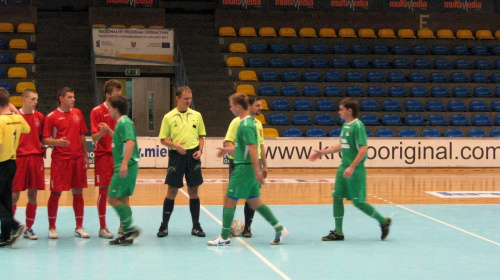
124, 130
247, 134
352, 137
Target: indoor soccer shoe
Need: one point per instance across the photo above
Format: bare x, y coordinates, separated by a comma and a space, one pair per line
30, 234
80, 232
163, 231
198, 231
247, 232
122, 240
280, 235
219, 241
15, 235
105, 233
333, 236
53, 233
385, 228
130, 235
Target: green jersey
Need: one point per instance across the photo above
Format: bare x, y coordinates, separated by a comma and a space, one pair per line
247, 134
232, 131
184, 127
352, 137
124, 130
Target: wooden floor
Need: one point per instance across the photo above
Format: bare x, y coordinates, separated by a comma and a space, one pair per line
384, 186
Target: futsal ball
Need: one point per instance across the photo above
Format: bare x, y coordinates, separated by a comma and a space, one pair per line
237, 228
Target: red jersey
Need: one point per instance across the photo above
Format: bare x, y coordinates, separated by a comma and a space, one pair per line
30, 143
71, 125
100, 114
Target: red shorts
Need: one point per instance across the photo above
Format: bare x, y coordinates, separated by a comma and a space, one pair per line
68, 174
29, 174
103, 170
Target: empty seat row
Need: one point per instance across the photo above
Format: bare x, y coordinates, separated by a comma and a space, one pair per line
430, 105
19, 44
6, 58
302, 105
20, 87
387, 132
25, 27
300, 119
432, 120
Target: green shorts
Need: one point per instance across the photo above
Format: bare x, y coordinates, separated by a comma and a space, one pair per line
243, 183
122, 187
353, 188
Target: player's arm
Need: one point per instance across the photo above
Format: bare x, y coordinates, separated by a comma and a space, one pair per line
13, 109
201, 141
177, 146
252, 150
129, 149
83, 142
330, 150
359, 157
229, 145
264, 160
63, 142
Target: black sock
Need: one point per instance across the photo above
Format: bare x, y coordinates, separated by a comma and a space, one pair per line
249, 213
194, 207
168, 208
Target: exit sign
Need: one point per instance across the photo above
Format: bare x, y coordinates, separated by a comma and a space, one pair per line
132, 72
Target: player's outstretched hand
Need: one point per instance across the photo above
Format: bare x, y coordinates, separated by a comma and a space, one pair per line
222, 151
64, 142
317, 154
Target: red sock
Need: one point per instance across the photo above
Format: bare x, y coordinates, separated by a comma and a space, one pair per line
52, 207
30, 214
101, 206
78, 208
14, 208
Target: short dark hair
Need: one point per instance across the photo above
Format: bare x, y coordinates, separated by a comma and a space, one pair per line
62, 93
28, 91
4, 97
120, 103
182, 89
252, 99
240, 99
109, 85
351, 103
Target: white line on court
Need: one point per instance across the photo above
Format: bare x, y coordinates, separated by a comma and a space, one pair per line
261, 257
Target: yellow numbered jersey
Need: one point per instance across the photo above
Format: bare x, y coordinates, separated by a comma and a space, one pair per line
11, 127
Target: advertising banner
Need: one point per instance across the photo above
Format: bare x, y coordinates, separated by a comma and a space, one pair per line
16, 2
127, 3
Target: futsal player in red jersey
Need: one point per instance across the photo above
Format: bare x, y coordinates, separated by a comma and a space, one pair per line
102, 129
29, 159
64, 129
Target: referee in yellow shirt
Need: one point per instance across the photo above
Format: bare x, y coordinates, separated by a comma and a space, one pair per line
182, 131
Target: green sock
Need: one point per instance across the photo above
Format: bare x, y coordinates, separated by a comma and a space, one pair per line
269, 216
227, 221
125, 214
338, 214
370, 211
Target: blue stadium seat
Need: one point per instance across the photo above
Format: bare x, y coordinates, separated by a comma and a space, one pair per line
476, 132
289, 90
497, 64
332, 91
482, 64
280, 105
333, 76
267, 90
457, 106
7, 86
301, 119
396, 77
382, 49
459, 50
401, 63
360, 63
315, 132
278, 119
460, 92
311, 76
497, 92
340, 121
354, 91
417, 77
418, 91
375, 91
369, 119
354, 76
385, 132
482, 91
2, 73
431, 132
397, 91
336, 132
292, 132
495, 77
277, 62
340, 49
495, 50
453, 132
440, 50
340, 63
320, 49
495, 132
482, 120
458, 77
369, 105
421, 63
325, 105
413, 106
437, 77
290, 76
479, 77
268, 76
391, 106
319, 62
258, 48
462, 64
299, 48
324, 119
400, 49
368, 133
440, 91
442, 63
375, 77
420, 49
279, 48
436, 119
311, 91
3, 44
360, 49
298, 62
256, 62
408, 132
479, 50
5, 58
391, 120
478, 106
302, 105
435, 106
380, 63
414, 120
495, 106
497, 119
459, 120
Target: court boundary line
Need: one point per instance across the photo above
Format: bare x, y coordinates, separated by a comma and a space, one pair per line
253, 250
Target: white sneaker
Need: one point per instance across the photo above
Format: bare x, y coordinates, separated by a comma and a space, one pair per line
53, 233
278, 238
105, 233
80, 232
219, 241
30, 234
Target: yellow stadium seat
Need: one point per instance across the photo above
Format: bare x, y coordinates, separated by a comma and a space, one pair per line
247, 31
445, 34
235, 61
6, 27
246, 89
247, 75
261, 118
464, 34
265, 107
98, 25
137, 26
497, 34
237, 48
227, 31
157, 26
271, 132
25, 58
307, 32
26, 27
347, 33
386, 33
327, 33
16, 100
267, 32
426, 34
367, 33
406, 34
484, 34
287, 32
17, 72
118, 26
20, 44
21, 86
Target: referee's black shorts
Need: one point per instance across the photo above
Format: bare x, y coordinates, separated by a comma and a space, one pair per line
180, 165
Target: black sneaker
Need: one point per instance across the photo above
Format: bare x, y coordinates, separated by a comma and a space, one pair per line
385, 228
130, 235
4, 243
247, 232
333, 236
122, 240
15, 234
163, 231
198, 231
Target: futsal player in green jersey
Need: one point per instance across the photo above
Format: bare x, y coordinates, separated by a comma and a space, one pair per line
126, 160
247, 177
350, 181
